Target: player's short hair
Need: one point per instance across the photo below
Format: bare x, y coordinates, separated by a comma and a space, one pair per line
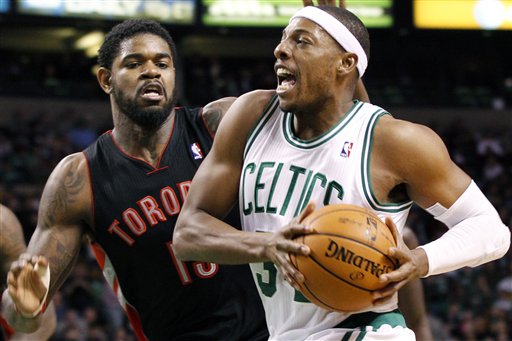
127, 29
353, 24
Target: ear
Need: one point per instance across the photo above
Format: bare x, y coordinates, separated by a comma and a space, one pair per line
346, 63
104, 77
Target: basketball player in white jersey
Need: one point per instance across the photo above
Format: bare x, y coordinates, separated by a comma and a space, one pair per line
308, 144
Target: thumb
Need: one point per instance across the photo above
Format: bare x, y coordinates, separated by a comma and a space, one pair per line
42, 273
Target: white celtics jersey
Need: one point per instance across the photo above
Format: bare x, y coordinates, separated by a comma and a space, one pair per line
281, 174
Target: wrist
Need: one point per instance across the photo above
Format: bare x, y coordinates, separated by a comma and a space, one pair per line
421, 261
265, 243
15, 320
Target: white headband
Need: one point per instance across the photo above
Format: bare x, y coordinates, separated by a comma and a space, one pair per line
338, 31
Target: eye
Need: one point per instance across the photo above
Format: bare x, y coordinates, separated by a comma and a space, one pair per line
133, 65
302, 41
162, 65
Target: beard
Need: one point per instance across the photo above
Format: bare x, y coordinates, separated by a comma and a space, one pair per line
146, 117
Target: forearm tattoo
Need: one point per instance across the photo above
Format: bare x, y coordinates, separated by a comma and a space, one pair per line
60, 208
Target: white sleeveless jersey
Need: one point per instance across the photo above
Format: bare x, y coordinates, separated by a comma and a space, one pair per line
281, 174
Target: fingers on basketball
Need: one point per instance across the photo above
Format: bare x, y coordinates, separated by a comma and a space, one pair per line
349, 251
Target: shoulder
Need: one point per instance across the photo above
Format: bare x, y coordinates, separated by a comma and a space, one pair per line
408, 150
246, 109
10, 227
240, 119
8, 222
250, 106
75, 163
213, 112
257, 99
416, 156
67, 193
404, 139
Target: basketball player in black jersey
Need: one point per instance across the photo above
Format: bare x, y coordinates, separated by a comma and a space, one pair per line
124, 193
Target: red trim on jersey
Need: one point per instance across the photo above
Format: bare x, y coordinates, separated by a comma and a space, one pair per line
99, 254
131, 313
134, 318
43, 308
8, 330
157, 170
115, 285
142, 160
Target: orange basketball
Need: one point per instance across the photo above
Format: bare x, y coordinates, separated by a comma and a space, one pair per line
348, 253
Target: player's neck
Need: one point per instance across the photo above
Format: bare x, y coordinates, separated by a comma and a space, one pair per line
141, 143
309, 124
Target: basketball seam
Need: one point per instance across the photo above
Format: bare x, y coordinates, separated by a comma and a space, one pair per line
338, 277
318, 299
359, 242
355, 209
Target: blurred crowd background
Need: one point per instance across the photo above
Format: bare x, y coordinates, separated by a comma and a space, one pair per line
459, 83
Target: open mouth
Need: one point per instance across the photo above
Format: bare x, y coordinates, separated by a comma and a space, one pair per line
152, 92
285, 80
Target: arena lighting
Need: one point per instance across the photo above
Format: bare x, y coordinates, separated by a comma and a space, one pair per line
94, 69
463, 14
92, 51
276, 13
91, 39
167, 11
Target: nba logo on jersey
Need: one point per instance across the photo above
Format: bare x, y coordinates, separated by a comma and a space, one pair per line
197, 154
347, 147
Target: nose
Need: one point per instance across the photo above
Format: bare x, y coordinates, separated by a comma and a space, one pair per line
281, 51
150, 70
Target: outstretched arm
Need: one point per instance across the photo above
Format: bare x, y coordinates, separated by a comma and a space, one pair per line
63, 214
12, 245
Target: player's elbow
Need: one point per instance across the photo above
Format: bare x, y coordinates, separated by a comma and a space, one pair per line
498, 243
183, 240
503, 240
498, 240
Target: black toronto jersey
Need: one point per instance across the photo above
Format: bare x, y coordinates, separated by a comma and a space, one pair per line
135, 208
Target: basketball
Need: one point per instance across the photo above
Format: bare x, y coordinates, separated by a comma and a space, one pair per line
348, 254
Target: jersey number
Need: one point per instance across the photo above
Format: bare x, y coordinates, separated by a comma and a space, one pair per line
267, 282
202, 270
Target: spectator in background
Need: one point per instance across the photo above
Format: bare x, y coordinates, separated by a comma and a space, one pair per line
81, 135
